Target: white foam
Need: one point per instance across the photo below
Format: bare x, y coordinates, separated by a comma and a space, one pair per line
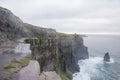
89, 68
111, 61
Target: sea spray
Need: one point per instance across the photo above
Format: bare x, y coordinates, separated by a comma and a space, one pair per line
90, 69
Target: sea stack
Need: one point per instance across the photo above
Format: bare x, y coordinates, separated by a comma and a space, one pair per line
107, 57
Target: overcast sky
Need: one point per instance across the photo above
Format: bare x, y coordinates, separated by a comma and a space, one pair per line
69, 16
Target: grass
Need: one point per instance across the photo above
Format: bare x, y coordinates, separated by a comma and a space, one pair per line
14, 66
23, 62
69, 73
9, 65
14, 60
63, 77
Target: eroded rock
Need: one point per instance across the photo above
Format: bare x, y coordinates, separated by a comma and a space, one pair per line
107, 57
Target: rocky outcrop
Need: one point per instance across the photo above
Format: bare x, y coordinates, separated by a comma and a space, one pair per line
54, 51
12, 27
32, 72
107, 57
59, 53
71, 49
49, 75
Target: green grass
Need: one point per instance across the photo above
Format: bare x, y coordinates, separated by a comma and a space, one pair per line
14, 60
63, 77
9, 65
23, 62
69, 73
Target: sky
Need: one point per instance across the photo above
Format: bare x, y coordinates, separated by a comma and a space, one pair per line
69, 16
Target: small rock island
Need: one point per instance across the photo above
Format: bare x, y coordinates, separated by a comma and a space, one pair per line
107, 57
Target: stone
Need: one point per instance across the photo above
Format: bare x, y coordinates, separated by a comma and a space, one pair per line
107, 57
53, 50
32, 72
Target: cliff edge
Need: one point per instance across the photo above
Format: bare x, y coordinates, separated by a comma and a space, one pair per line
54, 51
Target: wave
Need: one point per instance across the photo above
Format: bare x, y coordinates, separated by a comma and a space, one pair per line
90, 68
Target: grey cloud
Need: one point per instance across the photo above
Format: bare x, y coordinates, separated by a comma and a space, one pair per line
85, 16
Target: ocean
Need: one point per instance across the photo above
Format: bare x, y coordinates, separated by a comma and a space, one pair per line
95, 68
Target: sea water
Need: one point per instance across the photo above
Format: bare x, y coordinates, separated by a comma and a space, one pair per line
95, 68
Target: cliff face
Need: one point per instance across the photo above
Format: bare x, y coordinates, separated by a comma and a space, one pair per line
59, 53
54, 51
12, 27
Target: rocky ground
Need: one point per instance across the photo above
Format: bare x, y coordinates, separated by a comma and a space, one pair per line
10, 61
32, 72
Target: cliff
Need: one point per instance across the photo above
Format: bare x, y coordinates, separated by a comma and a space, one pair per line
54, 51
13, 28
59, 53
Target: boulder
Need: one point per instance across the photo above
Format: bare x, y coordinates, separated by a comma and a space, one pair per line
107, 57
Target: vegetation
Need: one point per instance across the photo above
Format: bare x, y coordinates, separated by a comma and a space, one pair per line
42, 41
23, 62
69, 72
16, 65
63, 77
9, 65
14, 60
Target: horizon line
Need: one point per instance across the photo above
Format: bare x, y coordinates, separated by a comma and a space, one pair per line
93, 33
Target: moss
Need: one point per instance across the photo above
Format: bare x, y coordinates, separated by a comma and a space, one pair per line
42, 41
63, 77
14, 66
23, 62
9, 65
14, 60
69, 72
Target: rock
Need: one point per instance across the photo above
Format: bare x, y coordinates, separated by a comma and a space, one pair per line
51, 75
10, 25
107, 57
32, 72
62, 49
13, 28
53, 50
